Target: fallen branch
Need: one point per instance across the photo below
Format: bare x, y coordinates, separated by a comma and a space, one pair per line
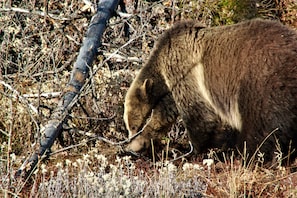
120, 58
78, 82
43, 95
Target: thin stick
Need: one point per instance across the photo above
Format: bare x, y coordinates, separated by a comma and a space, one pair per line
4, 132
45, 2
9, 147
17, 95
258, 148
71, 147
93, 118
153, 152
43, 14
121, 58
186, 154
43, 95
129, 139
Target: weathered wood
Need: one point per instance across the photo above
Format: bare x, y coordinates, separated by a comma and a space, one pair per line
80, 73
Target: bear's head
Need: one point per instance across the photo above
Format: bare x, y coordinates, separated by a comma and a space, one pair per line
137, 109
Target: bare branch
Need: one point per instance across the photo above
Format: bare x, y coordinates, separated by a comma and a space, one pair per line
186, 154
17, 95
92, 135
71, 147
12, 9
120, 58
44, 95
4, 132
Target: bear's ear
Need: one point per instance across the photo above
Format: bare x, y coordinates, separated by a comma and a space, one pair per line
147, 85
146, 88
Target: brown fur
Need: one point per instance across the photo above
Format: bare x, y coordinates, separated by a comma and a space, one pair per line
241, 77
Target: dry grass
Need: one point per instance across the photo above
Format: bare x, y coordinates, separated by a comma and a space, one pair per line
36, 58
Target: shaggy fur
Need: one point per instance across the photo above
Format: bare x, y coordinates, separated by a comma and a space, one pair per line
230, 85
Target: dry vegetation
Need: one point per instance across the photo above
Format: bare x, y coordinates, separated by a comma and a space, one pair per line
37, 54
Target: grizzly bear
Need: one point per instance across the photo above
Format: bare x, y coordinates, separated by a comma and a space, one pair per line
231, 85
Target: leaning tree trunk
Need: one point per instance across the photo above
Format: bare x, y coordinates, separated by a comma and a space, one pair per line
80, 73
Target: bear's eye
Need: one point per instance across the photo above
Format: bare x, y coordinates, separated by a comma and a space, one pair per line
133, 128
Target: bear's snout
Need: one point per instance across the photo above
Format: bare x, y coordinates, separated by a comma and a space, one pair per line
138, 144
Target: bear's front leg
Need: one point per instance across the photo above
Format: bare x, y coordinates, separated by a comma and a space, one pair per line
205, 128
159, 123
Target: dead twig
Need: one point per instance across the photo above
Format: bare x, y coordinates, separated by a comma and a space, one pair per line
4, 132
186, 154
17, 95
92, 135
71, 147
43, 95
36, 12
120, 58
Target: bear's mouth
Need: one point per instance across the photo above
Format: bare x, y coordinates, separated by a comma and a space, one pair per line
141, 149
135, 155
